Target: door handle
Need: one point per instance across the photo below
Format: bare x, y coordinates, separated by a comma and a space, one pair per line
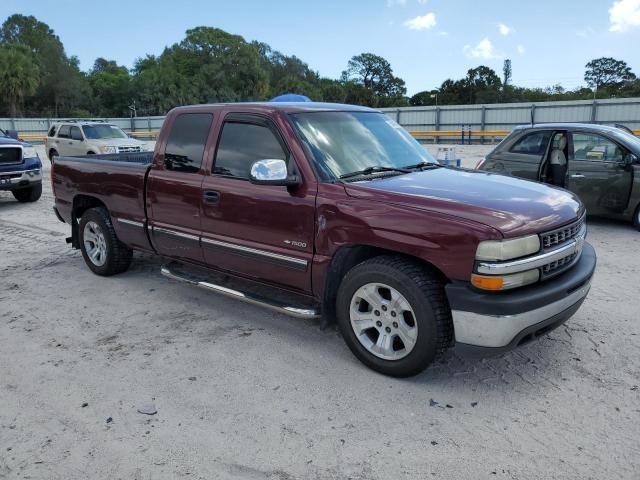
211, 196
577, 175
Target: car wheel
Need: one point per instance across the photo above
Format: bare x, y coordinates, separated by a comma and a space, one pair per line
52, 154
103, 253
394, 315
31, 194
636, 218
91, 153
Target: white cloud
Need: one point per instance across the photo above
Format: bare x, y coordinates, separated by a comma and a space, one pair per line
624, 15
422, 2
504, 29
424, 22
444, 34
484, 50
520, 49
393, 3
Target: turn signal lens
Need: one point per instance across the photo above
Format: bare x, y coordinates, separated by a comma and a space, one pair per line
504, 282
486, 282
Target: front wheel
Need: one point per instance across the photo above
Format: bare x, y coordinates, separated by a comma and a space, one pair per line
636, 218
30, 194
394, 315
103, 253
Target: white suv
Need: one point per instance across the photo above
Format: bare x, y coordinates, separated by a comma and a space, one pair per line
88, 137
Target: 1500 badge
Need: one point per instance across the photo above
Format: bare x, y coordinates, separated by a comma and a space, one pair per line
295, 243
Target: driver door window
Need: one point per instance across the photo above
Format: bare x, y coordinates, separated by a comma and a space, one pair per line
595, 148
242, 144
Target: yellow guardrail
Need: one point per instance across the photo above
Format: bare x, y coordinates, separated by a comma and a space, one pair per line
416, 134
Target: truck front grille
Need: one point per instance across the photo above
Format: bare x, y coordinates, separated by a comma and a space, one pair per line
559, 266
561, 235
129, 149
10, 155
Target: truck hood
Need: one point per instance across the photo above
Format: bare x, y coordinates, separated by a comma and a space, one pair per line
511, 205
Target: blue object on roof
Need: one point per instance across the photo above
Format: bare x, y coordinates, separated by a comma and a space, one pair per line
291, 97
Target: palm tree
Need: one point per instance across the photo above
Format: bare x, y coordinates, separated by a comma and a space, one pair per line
19, 76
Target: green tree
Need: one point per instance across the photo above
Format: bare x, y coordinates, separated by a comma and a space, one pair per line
608, 73
111, 85
374, 73
62, 85
19, 76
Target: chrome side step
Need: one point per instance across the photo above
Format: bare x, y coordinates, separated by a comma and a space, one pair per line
170, 271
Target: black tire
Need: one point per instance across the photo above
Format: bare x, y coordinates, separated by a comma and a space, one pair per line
91, 153
118, 255
426, 296
52, 154
30, 194
636, 218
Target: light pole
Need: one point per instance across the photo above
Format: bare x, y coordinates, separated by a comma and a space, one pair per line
435, 95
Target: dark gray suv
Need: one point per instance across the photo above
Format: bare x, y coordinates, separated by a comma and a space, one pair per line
598, 163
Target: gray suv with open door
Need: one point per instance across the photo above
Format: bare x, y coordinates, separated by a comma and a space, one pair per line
600, 164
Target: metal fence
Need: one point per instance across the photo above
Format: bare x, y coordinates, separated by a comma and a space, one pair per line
500, 118
436, 123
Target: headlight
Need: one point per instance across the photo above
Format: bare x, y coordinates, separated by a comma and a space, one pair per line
496, 250
108, 149
29, 152
505, 282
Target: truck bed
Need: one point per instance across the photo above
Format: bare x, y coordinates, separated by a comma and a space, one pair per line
116, 180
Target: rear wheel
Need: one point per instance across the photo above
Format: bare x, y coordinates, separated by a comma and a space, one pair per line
103, 253
394, 316
636, 218
30, 194
52, 154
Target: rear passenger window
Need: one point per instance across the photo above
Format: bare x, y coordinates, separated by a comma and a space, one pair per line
64, 132
76, 134
186, 142
242, 144
52, 132
532, 144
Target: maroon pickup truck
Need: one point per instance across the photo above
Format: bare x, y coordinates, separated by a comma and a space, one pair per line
336, 211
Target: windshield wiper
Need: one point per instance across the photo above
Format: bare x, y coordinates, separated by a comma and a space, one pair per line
423, 166
374, 169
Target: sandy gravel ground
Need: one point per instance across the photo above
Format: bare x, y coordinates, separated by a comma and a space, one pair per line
243, 393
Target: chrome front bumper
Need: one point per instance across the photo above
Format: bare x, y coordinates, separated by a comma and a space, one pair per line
507, 319
496, 331
19, 178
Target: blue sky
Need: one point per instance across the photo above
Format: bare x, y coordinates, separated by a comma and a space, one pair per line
426, 41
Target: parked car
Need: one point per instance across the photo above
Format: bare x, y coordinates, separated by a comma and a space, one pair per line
598, 163
20, 168
89, 137
335, 210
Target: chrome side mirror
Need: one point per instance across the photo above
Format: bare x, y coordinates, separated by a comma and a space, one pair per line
272, 171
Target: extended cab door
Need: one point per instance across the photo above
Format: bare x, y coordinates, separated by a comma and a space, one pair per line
261, 231
174, 187
597, 173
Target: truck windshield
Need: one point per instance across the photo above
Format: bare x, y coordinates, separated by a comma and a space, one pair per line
102, 132
347, 142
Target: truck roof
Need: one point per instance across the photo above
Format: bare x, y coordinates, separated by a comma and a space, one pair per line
288, 107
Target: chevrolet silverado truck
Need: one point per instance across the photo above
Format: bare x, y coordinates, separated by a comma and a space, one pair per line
335, 211
20, 168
